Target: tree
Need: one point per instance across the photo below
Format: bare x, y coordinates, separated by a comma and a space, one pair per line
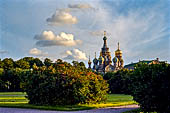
64, 84
1, 64
2, 83
47, 62
118, 81
38, 62
150, 85
12, 79
8, 63
30, 60
22, 64
75, 63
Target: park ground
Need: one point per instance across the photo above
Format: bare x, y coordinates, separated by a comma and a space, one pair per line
18, 100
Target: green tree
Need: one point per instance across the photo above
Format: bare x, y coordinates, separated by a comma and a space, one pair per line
118, 81
1, 64
150, 87
38, 62
2, 83
22, 64
12, 79
75, 63
30, 60
64, 84
47, 62
8, 63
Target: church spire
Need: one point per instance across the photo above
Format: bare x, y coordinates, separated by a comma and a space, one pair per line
105, 38
89, 62
104, 33
118, 46
89, 58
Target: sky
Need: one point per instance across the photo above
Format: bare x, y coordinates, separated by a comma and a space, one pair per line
73, 29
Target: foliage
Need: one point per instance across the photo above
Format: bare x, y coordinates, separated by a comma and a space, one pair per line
64, 84
11, 77
150, 87
47, 62
8, 63
1, 64
118, 81
22, 64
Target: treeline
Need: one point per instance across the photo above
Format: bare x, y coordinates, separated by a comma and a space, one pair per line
148, 84
11, 71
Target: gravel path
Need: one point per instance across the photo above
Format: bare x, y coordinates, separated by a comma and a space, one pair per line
101, 110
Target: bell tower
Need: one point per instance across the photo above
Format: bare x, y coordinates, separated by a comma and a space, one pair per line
105, 51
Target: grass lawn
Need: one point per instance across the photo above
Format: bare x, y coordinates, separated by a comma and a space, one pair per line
17, 99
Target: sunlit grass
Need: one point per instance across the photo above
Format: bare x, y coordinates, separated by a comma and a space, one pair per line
12, 93
102, 105
17, 99
9, 98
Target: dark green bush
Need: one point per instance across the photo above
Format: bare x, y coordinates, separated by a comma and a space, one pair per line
151, 87
118, 81
64, 84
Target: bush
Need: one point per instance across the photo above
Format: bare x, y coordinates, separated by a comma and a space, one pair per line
151, 87
118, 81
64, 84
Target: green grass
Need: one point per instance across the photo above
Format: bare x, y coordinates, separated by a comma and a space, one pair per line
18, 100
12, 93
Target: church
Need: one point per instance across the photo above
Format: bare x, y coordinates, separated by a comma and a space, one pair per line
104, 63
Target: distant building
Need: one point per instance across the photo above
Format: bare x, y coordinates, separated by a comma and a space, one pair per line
103, 64
132, 65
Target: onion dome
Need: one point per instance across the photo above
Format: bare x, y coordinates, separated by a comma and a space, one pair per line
115, 59
89, 62
118, 51
101, 59
95, 61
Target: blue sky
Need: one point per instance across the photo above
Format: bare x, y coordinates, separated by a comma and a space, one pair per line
73, 30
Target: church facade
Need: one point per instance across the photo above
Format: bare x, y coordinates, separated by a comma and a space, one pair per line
104, 63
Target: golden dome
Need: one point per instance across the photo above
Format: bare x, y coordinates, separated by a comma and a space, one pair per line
118, 51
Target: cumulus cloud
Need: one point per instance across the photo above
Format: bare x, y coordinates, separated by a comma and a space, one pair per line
48, 38
75, 54
37, 52
61, 17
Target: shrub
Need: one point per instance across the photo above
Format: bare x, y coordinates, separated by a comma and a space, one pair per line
118, 81
64, 84
151, 86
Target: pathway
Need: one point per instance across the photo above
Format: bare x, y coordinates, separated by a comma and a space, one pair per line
101, 110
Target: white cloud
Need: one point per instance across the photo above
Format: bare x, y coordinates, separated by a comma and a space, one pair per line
37, 52
137, 30
75, 54
62, 17
48, 38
